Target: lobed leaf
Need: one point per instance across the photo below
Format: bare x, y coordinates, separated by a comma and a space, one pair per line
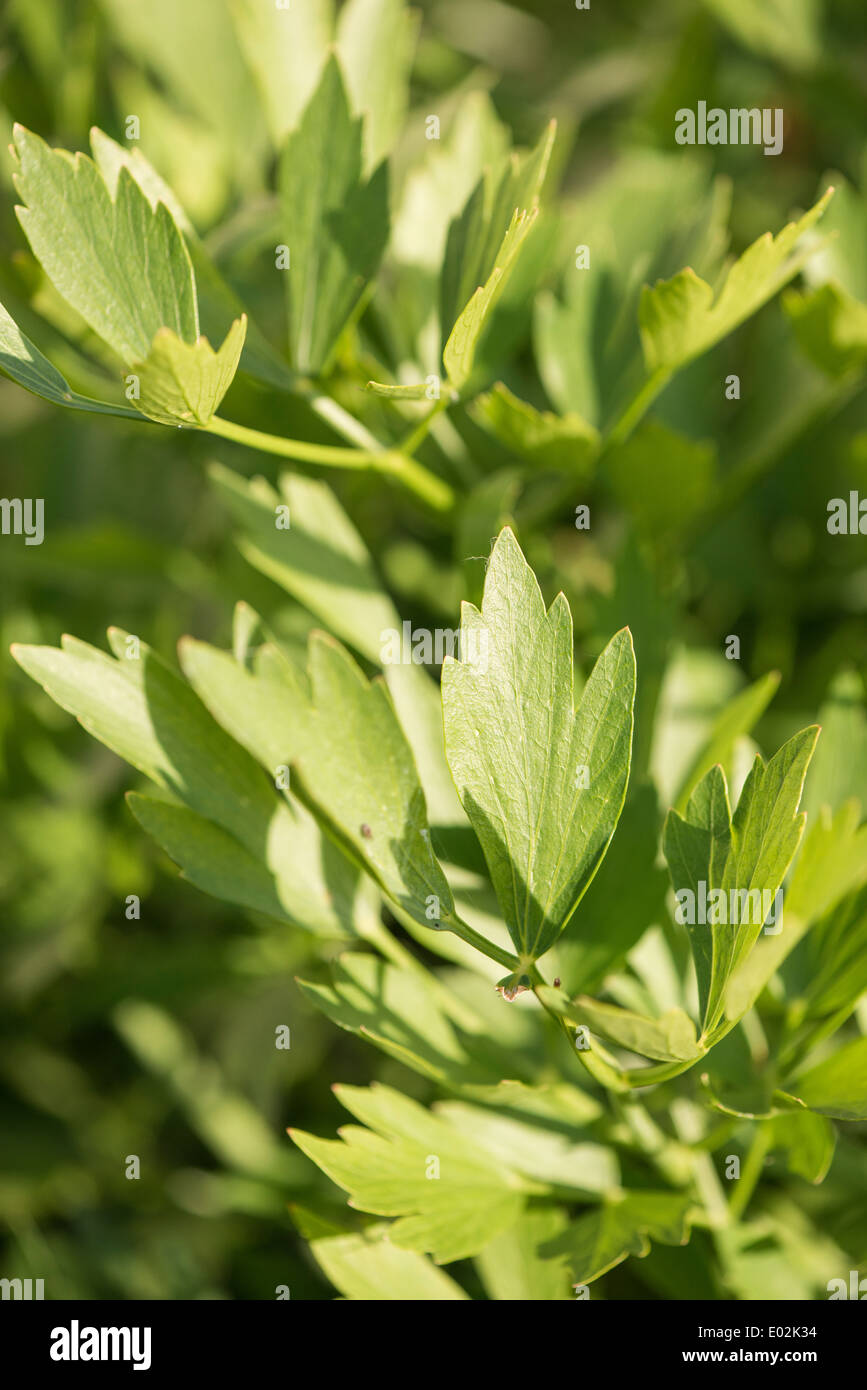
620, 1227
709, 849
150, 717
119, 262
334, 222
385, 1168
375, 807
184, 383
682, 317
542, 784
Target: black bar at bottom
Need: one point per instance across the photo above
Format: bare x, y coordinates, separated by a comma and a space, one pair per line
84, 1339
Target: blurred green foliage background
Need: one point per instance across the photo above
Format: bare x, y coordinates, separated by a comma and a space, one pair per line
155, 1036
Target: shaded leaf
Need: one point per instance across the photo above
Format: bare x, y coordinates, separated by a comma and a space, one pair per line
837, 1086
285, 48
405, 1015
334, 223
661, 479
621, 1227
375, 807
323, 562
150, 717
545, 440
24, 363
460, 350
748, 853
512, 1266
668, 1038
298, 880
830, 326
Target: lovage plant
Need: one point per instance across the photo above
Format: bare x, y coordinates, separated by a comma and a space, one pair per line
294, 790
477, 753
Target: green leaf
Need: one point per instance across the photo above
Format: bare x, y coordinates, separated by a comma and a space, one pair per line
621, 1227
512, 1267
670, 1038
682, 317
285, 47
150, 717
752, 1098
750, 852
219, 306
832, 863
414, 392
24, 363
807, 1140
270, 717
358, 776
475, 238
375, 41
562, 442
626, 896
387, 1170
300, 882
403, 1014
831, 964
334, 223
460, 350
586, 1168
184, 383
367, 1265
586, 337
319, 557
542, 784
435, 191
323, 562
736, 718
482, 247
830, 326
836, 1087
119, 262
788, 30
662, 479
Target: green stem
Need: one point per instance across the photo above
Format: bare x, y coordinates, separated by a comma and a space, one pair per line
664, 1071
457, 927
339, 419
425, 485
638, 406
689, 1127
418, 433
752, 1171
